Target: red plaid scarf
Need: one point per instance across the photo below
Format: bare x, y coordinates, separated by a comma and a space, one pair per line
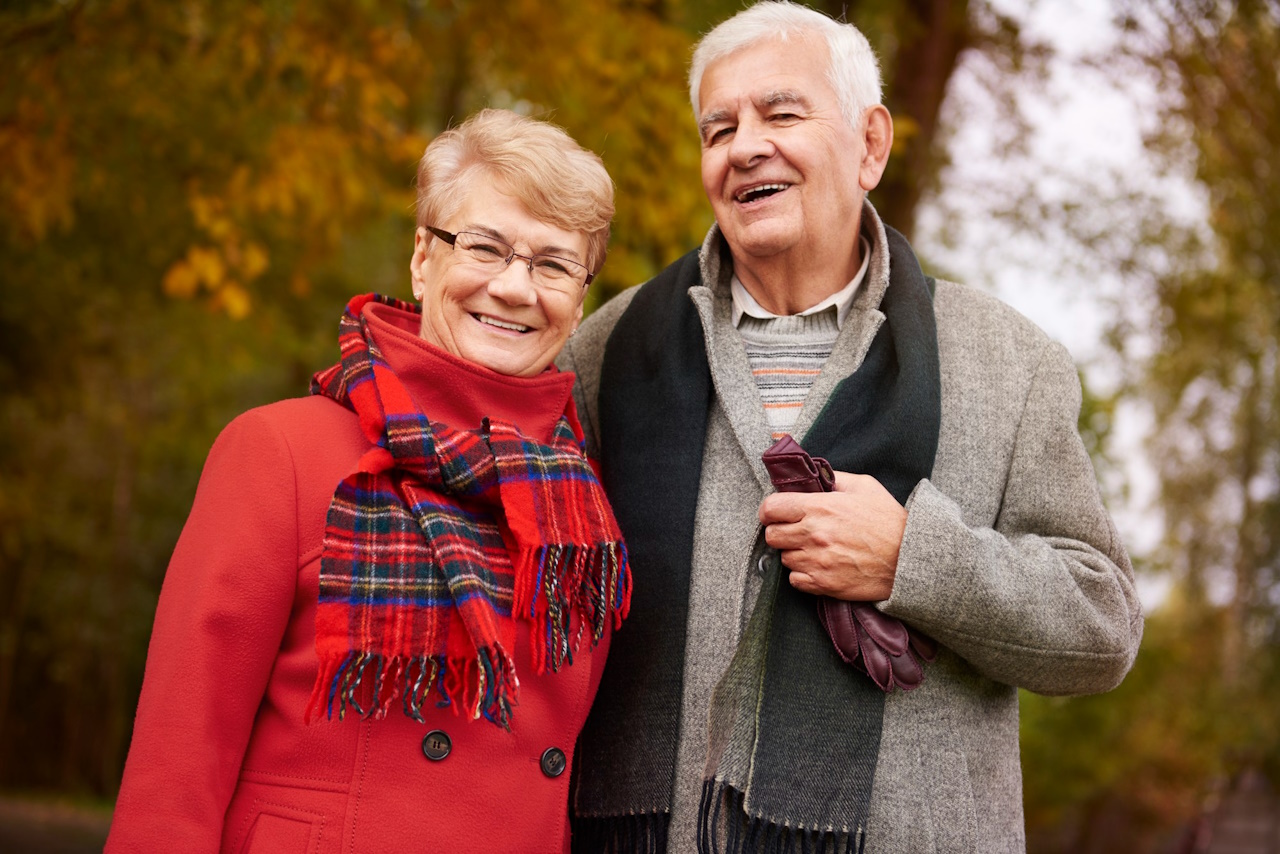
440, 537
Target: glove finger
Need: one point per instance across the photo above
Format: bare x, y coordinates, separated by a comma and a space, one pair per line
924, 646
888, 632
877, 662
838, 621
907, 672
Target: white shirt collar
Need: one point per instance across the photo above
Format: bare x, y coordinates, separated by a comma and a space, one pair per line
744, 303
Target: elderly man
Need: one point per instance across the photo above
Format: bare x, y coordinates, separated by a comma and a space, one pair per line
965, 505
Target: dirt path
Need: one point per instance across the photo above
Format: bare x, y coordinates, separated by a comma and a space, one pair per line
41, 827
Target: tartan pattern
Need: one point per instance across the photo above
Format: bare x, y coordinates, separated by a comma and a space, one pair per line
442, 541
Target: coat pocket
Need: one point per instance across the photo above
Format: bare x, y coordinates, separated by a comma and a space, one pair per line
280, 829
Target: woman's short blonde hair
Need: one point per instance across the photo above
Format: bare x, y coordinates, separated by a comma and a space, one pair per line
558, 181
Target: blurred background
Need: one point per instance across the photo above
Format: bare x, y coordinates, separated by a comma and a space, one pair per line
191, 190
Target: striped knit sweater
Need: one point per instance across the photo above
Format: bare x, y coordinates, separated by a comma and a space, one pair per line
786, 355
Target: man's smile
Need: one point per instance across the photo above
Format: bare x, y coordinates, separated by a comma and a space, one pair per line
756, 192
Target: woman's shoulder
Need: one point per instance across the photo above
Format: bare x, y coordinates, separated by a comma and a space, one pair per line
301, 447
302, 433
297, 412
294, 421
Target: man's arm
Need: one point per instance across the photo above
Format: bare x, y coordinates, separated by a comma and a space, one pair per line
842, 544
1044, 599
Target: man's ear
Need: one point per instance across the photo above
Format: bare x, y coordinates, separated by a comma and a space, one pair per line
877, 141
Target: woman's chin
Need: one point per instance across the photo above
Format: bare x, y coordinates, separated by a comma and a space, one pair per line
509, 355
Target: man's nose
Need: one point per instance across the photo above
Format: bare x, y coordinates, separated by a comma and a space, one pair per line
751, 142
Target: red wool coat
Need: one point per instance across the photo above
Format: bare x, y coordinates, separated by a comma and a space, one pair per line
221, 759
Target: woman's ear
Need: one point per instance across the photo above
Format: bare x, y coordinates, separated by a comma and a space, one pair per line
421, 240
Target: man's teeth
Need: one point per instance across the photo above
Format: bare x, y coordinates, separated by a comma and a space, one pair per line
763, 189
501, 324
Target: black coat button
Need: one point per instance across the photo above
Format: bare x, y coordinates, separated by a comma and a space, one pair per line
436, 745
553, 762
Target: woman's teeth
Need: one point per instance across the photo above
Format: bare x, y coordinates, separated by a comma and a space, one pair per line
501, 324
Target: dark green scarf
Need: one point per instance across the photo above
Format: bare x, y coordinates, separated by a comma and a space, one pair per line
794, 731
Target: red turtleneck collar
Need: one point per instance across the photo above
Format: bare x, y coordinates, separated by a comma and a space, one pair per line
460, 393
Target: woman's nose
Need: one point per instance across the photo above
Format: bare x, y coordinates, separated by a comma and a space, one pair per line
514, 283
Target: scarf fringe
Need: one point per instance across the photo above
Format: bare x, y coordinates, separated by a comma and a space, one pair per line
369, 683
641, 833
556, 583
748, 834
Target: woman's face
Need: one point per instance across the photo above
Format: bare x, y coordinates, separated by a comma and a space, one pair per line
496, 318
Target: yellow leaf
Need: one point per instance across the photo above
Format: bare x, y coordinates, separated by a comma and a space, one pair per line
254, 261
180, 281
201, 210
207, 265
234, 300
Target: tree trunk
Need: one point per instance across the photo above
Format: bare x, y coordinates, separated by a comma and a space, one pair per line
931, 41
11, 635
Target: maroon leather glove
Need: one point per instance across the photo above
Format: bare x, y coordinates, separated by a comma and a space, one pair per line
883, 647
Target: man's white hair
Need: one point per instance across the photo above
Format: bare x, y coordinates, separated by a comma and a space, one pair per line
852, 68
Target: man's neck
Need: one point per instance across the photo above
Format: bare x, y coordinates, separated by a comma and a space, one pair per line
790, 282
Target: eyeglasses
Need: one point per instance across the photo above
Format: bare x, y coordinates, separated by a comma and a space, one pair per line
490, 253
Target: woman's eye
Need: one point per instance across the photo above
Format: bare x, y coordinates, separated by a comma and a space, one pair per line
488, 249
552, 266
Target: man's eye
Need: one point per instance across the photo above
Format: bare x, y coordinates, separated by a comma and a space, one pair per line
719, 135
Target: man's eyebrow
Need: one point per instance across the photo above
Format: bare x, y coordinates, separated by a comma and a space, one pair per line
711, 118
784, 96
772, 98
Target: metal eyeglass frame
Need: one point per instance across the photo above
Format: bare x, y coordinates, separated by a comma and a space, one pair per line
452, 237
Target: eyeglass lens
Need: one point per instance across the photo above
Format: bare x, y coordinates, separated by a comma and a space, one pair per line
547, 270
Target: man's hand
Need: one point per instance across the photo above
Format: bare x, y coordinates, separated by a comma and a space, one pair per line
842, 544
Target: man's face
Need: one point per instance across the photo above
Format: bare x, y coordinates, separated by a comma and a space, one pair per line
780, 164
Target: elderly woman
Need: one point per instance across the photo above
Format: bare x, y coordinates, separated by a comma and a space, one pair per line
364, 637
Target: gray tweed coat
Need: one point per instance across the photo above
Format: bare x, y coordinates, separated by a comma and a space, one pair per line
1009, 559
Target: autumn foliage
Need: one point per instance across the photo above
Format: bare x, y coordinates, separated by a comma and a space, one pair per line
190, 191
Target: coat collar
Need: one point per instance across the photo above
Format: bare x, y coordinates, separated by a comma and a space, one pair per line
735, 386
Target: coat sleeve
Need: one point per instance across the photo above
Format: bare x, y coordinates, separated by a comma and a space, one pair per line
1044, 599
223, 609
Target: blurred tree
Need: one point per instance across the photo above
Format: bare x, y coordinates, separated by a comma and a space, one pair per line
1212, 380
190, 192
176, 177
921, 44
1199, 329
1128, 772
